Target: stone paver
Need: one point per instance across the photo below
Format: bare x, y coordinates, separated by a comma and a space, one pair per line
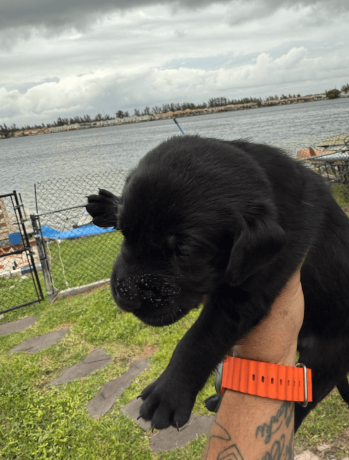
170, 439
1, 316
16, 326
40, 342
105, 398
306, 455
95, 360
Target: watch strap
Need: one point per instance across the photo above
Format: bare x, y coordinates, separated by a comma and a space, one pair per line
273, 381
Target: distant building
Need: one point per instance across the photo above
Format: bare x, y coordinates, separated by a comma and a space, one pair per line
319, 97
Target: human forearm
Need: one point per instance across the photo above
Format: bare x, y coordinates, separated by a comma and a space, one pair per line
251, 427
261, 429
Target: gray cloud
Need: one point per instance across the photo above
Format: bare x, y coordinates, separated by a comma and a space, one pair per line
315, 12
124, 58
56, 16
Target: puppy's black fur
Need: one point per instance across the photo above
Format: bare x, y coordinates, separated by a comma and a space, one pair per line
231, 221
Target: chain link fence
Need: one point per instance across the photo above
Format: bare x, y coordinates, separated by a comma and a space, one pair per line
19, 259
78, 253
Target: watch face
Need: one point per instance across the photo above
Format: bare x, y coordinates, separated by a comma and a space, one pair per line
218, 377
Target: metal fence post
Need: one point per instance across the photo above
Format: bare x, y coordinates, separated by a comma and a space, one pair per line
43, 258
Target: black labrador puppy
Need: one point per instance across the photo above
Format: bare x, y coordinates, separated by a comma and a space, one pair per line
231, 222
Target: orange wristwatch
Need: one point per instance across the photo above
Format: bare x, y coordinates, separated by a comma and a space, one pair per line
286, 383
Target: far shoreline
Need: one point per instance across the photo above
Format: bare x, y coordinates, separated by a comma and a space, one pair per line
164, 116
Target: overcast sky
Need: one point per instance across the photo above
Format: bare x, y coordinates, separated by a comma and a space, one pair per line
70, 57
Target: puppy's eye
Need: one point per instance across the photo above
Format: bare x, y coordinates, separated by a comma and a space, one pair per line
182, 251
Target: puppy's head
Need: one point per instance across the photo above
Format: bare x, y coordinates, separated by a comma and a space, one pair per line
184, 232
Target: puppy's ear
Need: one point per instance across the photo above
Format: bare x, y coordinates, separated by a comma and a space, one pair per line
103, 208
257, 244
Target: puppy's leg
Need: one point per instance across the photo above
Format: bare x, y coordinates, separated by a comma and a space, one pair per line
343, 388
103, 208
170, 399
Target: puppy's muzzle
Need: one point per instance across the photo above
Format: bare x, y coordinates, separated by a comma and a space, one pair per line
128, 304
128, 297
134, 291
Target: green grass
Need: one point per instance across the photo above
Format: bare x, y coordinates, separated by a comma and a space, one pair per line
15, 290
341, 194
83, 260
40, 422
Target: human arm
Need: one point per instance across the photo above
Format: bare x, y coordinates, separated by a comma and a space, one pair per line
251, 427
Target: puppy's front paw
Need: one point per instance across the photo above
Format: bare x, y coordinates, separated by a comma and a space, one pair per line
167, 401
103, 208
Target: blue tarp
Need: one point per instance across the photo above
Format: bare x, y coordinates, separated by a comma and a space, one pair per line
15, 238
84, 230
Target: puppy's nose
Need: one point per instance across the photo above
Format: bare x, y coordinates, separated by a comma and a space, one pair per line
128, 304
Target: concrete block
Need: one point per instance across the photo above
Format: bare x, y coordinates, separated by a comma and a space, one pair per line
95, 360
105, 398
16, 326
40, 342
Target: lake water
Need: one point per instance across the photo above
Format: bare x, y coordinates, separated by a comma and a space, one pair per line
25, 161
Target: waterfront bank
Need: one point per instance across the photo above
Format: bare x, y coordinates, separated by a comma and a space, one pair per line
163, 116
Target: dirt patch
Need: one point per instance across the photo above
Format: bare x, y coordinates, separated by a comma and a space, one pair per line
147, 351
63, 326
337, 449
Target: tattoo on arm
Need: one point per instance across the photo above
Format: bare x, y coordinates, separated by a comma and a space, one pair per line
268, 429
230, 453
280, 449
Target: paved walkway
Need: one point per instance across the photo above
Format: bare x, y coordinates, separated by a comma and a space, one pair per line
41, 342
104, 400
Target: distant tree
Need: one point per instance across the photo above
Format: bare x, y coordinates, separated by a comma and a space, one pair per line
87, 118
165, 108
156, 109
98, 117
146, 111
5, 130
126, 114
137, 113
345, 88
332, 93
119, 114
